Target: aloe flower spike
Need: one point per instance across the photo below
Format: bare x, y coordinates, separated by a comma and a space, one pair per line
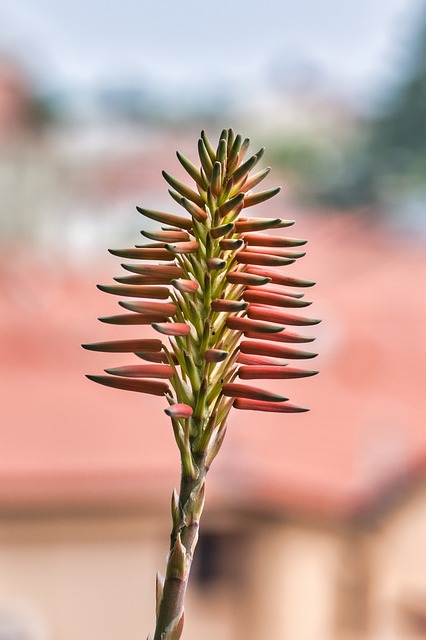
211, 284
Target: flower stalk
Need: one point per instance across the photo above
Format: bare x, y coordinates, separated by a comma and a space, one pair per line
210, 282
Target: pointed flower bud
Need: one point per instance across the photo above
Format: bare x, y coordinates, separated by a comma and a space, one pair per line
243, 391
186, 286
153, 387
215, 355
150, 345
143, 371
172, 328
179, 410
271, 407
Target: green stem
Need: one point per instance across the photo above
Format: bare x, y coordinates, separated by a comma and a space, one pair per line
184, 536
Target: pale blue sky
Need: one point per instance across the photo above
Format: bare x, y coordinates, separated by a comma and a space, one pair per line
353, 44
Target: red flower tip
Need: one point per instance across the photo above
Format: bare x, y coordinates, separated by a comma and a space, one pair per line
215, 264
182, 247
222, 230
172, 328
230, 244
179, 410
228, 305
185, 286
215, 355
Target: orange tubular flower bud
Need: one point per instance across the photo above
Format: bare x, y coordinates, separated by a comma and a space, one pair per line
215, 355
273, 299
142, 253
258, 347
179, 410
273, 315
195, 211
143, 371
272, 372
235, 390
182, 247
157, 357
231, 244
153, 387
139, 280
271, 407
160, 293
185, 286
153, 270
150, 345
260, 361
260, 224
244, 324
283, 336
166, 236
163, 308
134, 318
277, 251
268, 260
172, 328
215, 264
242, 277
265, 240
223, 230
228, 305
166, 218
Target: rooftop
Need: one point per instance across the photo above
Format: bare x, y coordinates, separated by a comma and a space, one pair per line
65, 442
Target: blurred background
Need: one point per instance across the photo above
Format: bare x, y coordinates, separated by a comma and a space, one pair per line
315, 524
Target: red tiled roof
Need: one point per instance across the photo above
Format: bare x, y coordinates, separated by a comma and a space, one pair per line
65, 441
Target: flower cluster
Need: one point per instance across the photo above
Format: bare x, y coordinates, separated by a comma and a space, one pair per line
211, 281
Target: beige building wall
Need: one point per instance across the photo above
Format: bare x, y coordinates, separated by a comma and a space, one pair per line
91, 579
398, 570
295, 572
